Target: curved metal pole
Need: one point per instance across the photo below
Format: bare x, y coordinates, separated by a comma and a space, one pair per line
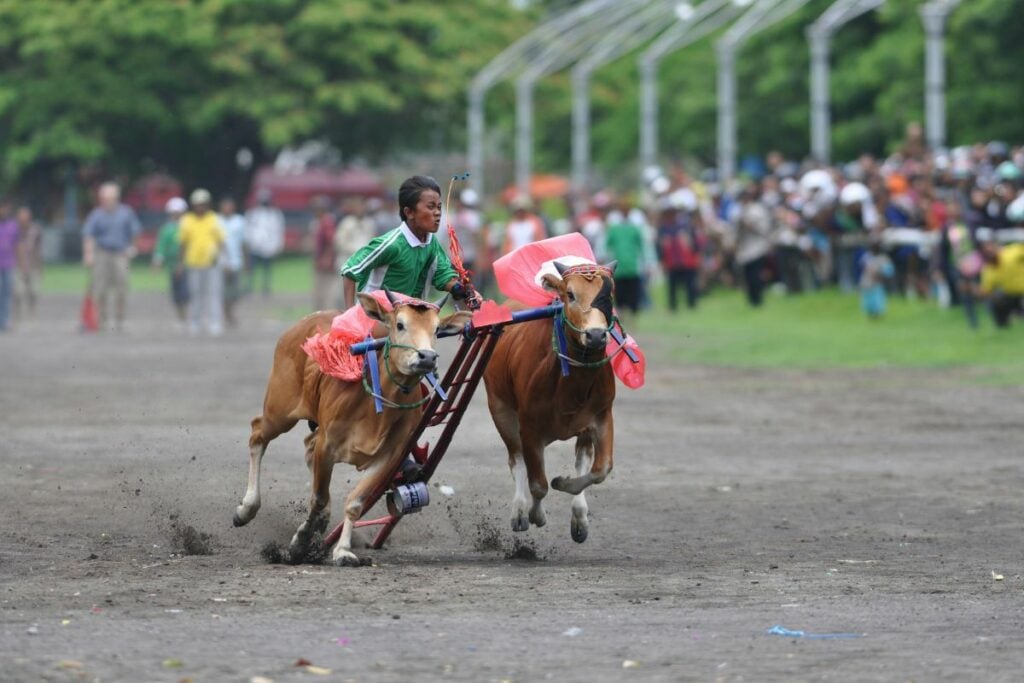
708, 17
819, 35
933, 16
573, 45
651, 19
512, 59
761, 16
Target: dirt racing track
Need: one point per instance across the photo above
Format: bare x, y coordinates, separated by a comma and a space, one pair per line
885, 506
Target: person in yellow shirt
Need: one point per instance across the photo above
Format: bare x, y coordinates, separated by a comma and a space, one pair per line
202, 236
1002, 280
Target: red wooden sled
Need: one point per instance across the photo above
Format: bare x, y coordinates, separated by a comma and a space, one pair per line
459, 383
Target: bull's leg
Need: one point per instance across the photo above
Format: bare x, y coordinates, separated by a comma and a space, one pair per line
316, 521
376, 475
579, 524
533, 457
263, 432
507, 423
602, 464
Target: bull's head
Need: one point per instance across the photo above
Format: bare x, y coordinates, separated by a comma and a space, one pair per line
588, 297
413, 327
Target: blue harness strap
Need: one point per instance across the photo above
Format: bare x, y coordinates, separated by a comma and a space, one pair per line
563, 348
436, 386
371, 360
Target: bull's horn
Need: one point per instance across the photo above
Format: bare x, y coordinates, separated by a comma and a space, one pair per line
560, 268
391, 297
611, 265
441, 302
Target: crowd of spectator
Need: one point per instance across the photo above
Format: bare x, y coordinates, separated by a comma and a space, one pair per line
936, 225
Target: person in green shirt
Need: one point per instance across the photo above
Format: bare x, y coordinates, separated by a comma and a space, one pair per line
624, 243
165, 254
408, 259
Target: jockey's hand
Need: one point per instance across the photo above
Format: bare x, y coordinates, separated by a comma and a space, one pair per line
461, 292
474, 300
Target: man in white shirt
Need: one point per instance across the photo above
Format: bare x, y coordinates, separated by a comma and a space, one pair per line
264, 236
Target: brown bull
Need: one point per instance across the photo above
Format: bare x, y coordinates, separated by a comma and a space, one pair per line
532, 404
348, 428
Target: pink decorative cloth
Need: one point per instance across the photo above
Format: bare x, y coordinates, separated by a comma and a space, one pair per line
330, 349
518, 274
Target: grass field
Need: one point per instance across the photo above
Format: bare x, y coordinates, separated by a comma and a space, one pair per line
821, 330
828, 330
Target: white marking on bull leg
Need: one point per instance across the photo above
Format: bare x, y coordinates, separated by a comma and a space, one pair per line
251, 502
342, 554
521, 499
579, 525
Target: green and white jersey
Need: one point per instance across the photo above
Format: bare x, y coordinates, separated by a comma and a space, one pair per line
399, 261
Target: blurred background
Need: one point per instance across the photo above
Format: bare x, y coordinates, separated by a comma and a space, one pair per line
750, 147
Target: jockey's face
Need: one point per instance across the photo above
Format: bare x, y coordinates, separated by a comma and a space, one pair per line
426, 217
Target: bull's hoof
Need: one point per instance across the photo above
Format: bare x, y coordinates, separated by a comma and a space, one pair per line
559, 483
537, 516
345, 558
242, 516
520, 522
578, 530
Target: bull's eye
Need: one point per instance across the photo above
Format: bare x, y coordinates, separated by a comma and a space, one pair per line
571, 296
400, 326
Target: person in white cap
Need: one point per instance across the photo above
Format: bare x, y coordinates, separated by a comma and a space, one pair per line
202, 238
264, 237
166, 255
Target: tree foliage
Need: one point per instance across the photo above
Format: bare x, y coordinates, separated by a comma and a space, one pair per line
183, 84
877, 87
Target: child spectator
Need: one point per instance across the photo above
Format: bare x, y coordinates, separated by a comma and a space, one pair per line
166, 252
876, 269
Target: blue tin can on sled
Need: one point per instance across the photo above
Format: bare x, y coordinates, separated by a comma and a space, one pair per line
408, 498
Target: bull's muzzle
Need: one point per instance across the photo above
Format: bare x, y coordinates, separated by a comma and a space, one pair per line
595, 338
426, 360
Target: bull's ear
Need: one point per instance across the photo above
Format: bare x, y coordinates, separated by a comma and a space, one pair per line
372, 307
611, 266
454, 323
555, 284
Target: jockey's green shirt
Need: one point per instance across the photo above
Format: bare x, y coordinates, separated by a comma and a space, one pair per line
399, 261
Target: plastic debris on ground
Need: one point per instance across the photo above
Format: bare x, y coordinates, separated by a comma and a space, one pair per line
782, 631
172, 664
997, 577
572, 631
630, 664
446, 490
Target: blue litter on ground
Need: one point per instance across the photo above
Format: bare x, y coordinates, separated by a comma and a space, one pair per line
782, 631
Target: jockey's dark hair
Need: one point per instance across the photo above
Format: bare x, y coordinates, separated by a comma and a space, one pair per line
410, 191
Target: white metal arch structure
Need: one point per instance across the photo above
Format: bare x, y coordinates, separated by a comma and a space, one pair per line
819, 35
572, 46
634, 31
511, 60
708, 17
933, 16
759, 17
